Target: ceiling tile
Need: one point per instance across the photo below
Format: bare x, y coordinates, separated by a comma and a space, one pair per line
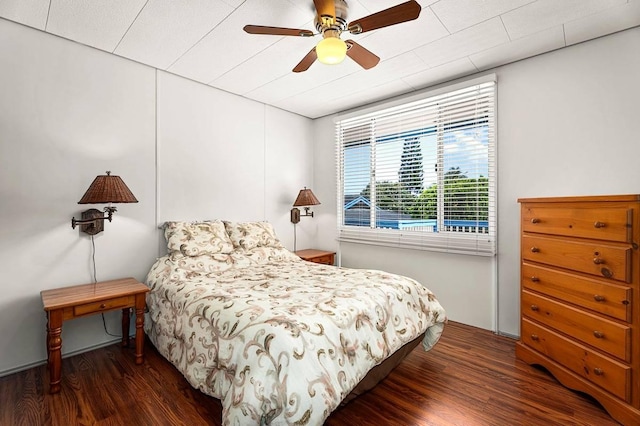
609, 21
312, 108
233, 3
93, 22
437, 75
535, 44
457, 15
544, 14
370, 95
392, 41
292, 84
475, 39
228, 45
361, 8
385, 72
203, 40
32, 13
166, 29
273, 62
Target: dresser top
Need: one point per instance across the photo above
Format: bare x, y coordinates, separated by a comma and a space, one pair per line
579, 199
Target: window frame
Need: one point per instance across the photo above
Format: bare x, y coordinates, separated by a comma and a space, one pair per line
474, 243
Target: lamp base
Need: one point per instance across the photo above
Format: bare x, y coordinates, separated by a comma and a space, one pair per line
96, 226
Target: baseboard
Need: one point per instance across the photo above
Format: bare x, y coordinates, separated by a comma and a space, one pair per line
512, 336
66, 355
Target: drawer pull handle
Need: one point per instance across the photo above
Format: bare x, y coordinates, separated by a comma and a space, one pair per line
606, 273
598, 261
598, 298
599, 225
535, 308
598, 334
102, 306
598, 371
535, 250
535, 279
535, 220
535, 337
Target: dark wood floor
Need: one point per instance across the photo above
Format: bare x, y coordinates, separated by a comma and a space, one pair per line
471, 377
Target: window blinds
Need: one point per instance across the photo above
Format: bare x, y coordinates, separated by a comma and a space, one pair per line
421, 174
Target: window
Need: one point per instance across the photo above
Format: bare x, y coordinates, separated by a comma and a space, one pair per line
421, 174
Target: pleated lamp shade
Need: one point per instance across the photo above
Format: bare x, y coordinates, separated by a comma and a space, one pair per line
108, 189
306, 198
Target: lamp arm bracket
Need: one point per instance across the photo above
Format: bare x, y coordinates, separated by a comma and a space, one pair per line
92, 221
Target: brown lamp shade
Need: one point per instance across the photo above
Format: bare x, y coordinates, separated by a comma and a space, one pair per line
107, 189
306, 198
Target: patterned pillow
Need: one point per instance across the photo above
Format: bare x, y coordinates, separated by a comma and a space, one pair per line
197, 238
249, 235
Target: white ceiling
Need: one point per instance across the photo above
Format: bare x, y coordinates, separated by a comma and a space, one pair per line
203, 40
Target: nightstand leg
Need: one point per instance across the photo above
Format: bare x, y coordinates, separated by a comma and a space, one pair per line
125, 327
54, 346
140, 304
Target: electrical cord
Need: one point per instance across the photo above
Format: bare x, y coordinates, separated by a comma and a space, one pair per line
95, 280
295, 238
93, 259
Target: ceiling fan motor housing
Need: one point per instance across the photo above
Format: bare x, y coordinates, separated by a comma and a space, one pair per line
336, 23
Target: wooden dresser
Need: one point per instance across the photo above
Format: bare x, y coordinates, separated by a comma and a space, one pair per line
580, 306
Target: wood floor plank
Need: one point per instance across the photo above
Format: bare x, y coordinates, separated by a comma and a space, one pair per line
470, 378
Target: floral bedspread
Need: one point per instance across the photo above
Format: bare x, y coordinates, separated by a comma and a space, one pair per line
279, 340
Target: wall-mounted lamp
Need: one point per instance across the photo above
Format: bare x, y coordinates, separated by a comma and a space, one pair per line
305, 199
104, 189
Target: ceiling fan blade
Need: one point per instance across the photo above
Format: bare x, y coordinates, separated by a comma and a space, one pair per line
325, 7
362, 56
306, 62
258, 29
404, 12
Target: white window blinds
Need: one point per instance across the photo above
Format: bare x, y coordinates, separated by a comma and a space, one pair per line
421, 174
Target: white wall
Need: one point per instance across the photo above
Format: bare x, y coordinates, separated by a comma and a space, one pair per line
565, 127
68, 113
225, 157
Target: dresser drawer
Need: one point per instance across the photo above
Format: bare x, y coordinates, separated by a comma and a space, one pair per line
607, 373
592, 257
594, 330
104, 305
604, 223
591, 293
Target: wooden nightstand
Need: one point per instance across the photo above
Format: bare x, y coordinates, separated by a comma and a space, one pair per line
82, 300
317, 256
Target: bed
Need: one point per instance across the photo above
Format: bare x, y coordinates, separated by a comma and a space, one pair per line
277, 339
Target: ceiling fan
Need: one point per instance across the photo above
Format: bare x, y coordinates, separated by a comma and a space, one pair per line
331, 21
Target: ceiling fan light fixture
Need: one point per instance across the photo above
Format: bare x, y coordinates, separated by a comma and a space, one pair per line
331, 50
331, 21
